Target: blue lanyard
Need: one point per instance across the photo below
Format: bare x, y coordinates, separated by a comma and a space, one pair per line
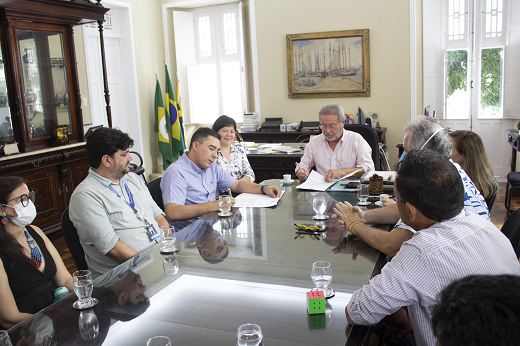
130, 197
153, 234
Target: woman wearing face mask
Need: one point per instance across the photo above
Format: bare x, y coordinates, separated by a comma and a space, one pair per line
29, 263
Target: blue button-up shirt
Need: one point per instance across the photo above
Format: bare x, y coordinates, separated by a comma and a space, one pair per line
184, 183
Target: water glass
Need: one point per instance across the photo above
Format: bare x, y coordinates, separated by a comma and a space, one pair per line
249, 334
362, 194
224, 204
170, 265
88, 325
319, 205
83, 286
321, 275
159, 341
168, 239
4, 339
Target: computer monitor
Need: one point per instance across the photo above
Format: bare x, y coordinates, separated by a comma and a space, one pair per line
361, 116
427, 111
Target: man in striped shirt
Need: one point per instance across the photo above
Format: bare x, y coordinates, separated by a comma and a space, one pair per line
450, 243
421, 133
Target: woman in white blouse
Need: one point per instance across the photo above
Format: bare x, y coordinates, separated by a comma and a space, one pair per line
232, 157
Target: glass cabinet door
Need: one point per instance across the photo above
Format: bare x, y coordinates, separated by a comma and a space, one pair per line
44, 81
6, 125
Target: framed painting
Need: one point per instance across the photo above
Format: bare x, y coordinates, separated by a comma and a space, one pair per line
328, 64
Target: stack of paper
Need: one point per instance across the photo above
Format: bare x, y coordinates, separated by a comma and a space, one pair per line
315, 181
254, 200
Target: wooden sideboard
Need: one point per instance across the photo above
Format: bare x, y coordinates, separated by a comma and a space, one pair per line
53, 173
292, 136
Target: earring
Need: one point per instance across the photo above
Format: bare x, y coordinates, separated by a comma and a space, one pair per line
4, 220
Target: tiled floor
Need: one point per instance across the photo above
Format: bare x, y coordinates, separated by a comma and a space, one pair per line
498, 217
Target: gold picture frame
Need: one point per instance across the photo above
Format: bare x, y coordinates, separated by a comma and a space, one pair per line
329, 64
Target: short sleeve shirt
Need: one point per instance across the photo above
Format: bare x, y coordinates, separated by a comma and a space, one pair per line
184, 183
102, 218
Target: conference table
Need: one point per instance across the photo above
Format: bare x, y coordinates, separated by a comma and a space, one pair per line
249, 268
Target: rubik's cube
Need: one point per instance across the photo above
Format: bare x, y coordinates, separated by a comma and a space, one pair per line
315, 302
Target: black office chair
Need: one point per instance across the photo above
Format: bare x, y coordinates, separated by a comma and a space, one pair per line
71, 237
491, 199
370, 135
155, 190
303, 138
137, 169
513, 182
511, 230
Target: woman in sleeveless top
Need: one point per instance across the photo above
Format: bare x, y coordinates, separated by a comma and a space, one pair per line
29, 263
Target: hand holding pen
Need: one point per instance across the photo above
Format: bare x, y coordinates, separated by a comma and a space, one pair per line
301, 172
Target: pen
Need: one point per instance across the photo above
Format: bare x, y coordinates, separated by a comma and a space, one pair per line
298, 167
229, 191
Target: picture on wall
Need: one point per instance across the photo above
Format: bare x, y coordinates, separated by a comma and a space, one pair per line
329, 64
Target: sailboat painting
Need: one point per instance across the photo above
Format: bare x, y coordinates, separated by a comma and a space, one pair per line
329, 64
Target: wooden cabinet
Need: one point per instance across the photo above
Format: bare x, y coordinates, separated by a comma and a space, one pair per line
40, 100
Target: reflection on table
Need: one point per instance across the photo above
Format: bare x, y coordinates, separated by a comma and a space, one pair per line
247, 268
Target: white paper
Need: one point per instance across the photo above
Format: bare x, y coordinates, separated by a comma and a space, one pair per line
286, 149
316, 181
255, 200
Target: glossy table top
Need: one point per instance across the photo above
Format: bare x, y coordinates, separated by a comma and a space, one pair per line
262, 279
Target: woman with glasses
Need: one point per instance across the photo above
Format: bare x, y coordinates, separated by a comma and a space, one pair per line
29, 263
232, 158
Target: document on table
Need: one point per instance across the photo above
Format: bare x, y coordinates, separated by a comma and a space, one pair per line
315, 181
255, 200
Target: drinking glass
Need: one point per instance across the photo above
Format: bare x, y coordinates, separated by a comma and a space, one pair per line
362, 194
83, 286
159, 341
170, 265
319, 205
88, 325
168, 239
224, 204
249, 334
322, 276
4, 339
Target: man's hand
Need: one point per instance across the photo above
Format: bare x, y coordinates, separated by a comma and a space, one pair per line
388, 202
332, 174
345, 211
302, 174
271, 191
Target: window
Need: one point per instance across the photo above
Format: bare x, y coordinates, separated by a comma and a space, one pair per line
216, 69
474, 58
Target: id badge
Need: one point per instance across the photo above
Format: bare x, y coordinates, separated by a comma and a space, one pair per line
152, 233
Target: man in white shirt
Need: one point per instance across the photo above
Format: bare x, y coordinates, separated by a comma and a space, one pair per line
450, 243
336, 152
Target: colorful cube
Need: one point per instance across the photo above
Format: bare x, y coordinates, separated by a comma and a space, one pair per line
315, 302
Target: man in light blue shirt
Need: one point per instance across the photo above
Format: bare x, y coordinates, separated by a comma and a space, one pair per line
189, 185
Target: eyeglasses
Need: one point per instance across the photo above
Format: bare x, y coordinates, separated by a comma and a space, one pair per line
433, 135
332, 127
24, 199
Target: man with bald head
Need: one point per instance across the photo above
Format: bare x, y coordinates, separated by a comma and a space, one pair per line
336, 152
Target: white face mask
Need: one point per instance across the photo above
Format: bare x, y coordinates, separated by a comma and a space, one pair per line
26, 215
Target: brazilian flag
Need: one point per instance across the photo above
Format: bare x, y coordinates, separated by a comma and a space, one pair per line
171, 111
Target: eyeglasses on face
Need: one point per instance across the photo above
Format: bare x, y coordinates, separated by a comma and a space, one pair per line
332, 127
24, 199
